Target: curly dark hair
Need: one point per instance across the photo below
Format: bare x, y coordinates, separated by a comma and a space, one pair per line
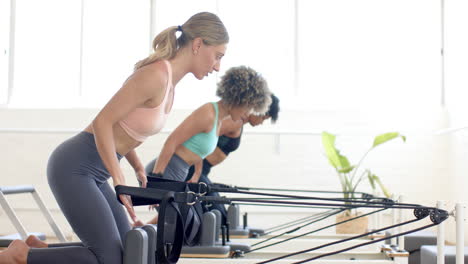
243, 86
274, 109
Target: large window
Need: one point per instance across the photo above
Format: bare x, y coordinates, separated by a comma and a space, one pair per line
457, 61
47, 53
368, 53
253, 33
314, 54
4, 49
115, 37
76, 53
262, 37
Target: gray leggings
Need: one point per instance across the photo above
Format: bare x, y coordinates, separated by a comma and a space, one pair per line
78, 180
177, 169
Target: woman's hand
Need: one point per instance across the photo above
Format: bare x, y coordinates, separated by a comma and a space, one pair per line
193, 180
127, 202
138, 223
141, 177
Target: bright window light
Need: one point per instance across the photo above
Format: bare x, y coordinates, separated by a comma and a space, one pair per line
368, 53
46, 53
350, 53
456, 61
4, 49
115, 37
262, 37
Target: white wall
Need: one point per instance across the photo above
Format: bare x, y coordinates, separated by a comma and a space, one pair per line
425, 169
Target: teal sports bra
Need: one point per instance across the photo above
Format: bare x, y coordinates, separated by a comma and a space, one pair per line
203, 144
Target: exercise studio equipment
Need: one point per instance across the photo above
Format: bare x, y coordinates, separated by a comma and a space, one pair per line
173, 230
22, 233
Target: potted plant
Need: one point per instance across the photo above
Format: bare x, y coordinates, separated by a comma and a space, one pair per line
351, 176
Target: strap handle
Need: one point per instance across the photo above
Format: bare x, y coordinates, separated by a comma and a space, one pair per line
163, 254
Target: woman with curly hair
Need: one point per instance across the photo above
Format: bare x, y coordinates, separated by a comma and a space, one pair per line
242, 90
229, 141
230, 138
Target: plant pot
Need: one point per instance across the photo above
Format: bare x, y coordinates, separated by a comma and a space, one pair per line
356, 226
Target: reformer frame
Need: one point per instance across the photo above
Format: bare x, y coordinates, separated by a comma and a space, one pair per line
437, 215
22, 189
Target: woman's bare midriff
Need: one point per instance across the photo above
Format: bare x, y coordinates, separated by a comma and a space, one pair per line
187, 155
123, 142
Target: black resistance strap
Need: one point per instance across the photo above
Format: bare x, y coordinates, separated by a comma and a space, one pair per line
437, 216
173, 200
170, 235
314, 231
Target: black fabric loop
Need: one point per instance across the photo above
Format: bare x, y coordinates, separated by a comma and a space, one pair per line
170, 232
191, 213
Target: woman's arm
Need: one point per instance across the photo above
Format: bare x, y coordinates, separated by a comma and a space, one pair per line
136, 164
144, 87
196, 174
201, 120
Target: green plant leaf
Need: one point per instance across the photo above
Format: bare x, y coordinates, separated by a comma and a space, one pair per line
371, 178
338, 161
382, 187
328, 142
347, 169
380, 139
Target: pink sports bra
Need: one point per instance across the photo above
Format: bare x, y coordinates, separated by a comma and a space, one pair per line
144, 122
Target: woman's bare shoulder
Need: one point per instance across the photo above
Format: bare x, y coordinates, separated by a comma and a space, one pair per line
150, 80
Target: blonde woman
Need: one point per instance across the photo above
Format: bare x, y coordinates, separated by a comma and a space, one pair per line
79, 168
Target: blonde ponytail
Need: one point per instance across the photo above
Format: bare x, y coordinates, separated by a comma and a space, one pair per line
205, 25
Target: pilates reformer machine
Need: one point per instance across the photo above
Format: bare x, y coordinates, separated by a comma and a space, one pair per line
22, 233
185, 230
